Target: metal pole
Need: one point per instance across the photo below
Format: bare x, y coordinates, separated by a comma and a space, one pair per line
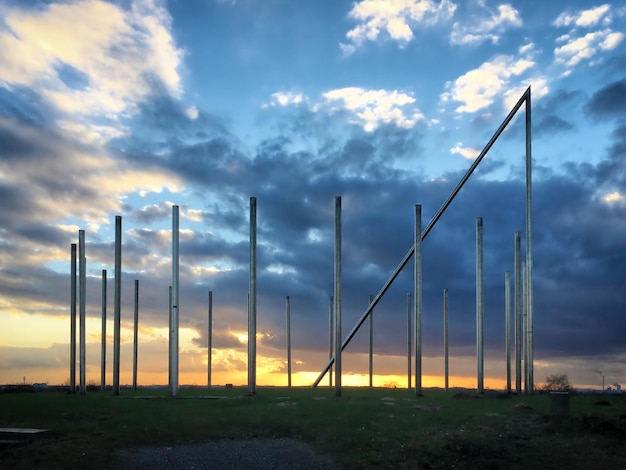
210, 340
117, 305
252, 302
82, 291
175, 300
517, 293
371, 345
525, 327
409, 337
135, 334
445, 339
417, 290
507, 327
330, 338
103, 352
337, 296
479, 305
73, 318
169, 346
288, 313
428, 228
529, 240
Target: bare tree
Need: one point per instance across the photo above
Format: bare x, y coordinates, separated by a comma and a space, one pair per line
557, 383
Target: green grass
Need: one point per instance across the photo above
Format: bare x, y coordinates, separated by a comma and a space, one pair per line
366, 428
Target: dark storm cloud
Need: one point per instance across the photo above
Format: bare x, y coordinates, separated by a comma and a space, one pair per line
150, 214
608, 102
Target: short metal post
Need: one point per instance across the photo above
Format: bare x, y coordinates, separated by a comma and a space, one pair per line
409, 338
337, 295
507, 327
82, 291
525, 327
517, 294
73, 318
103, 352
330, 338
371, 345
135, 334
252, 302
169, 344
117, 305
288, 314
210, 340
479, 305
445, 339
417, 292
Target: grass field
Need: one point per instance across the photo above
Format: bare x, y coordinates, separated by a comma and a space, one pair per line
366, 428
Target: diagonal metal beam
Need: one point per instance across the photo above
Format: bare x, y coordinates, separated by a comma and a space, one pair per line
524, 98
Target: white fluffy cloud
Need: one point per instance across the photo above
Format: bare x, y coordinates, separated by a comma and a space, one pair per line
465, 152
576, 49
584, 18
479, 88
393, 19
372, 108
286, 98
490, 28
120, 57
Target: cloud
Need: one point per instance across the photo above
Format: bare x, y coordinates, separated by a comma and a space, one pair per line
373, 107
608, 102
576, 49
584, 18
122, 57
479, 88
477, 30
287, 98
393, 19
465, 152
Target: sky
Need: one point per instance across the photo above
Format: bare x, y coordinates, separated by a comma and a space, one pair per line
130, 107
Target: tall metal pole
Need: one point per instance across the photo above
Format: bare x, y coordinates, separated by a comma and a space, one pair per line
175, 300
529, 240
517, 294
252, 302
117, 305
135, 334
429, 227
337, 295
417, 292
103, 352
371, 345
330, 338
507, 327
169, 345
288, 314
209, 360
73, 318
479, 305
82, 291
409, 338
445, 339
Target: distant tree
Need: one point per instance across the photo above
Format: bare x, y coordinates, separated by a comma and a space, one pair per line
557, 383
390, 384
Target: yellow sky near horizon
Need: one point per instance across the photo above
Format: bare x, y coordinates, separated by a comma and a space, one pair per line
35, 348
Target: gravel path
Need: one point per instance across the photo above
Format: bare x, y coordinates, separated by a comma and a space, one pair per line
250, 454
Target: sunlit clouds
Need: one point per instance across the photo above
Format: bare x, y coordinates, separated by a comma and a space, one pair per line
389, 19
